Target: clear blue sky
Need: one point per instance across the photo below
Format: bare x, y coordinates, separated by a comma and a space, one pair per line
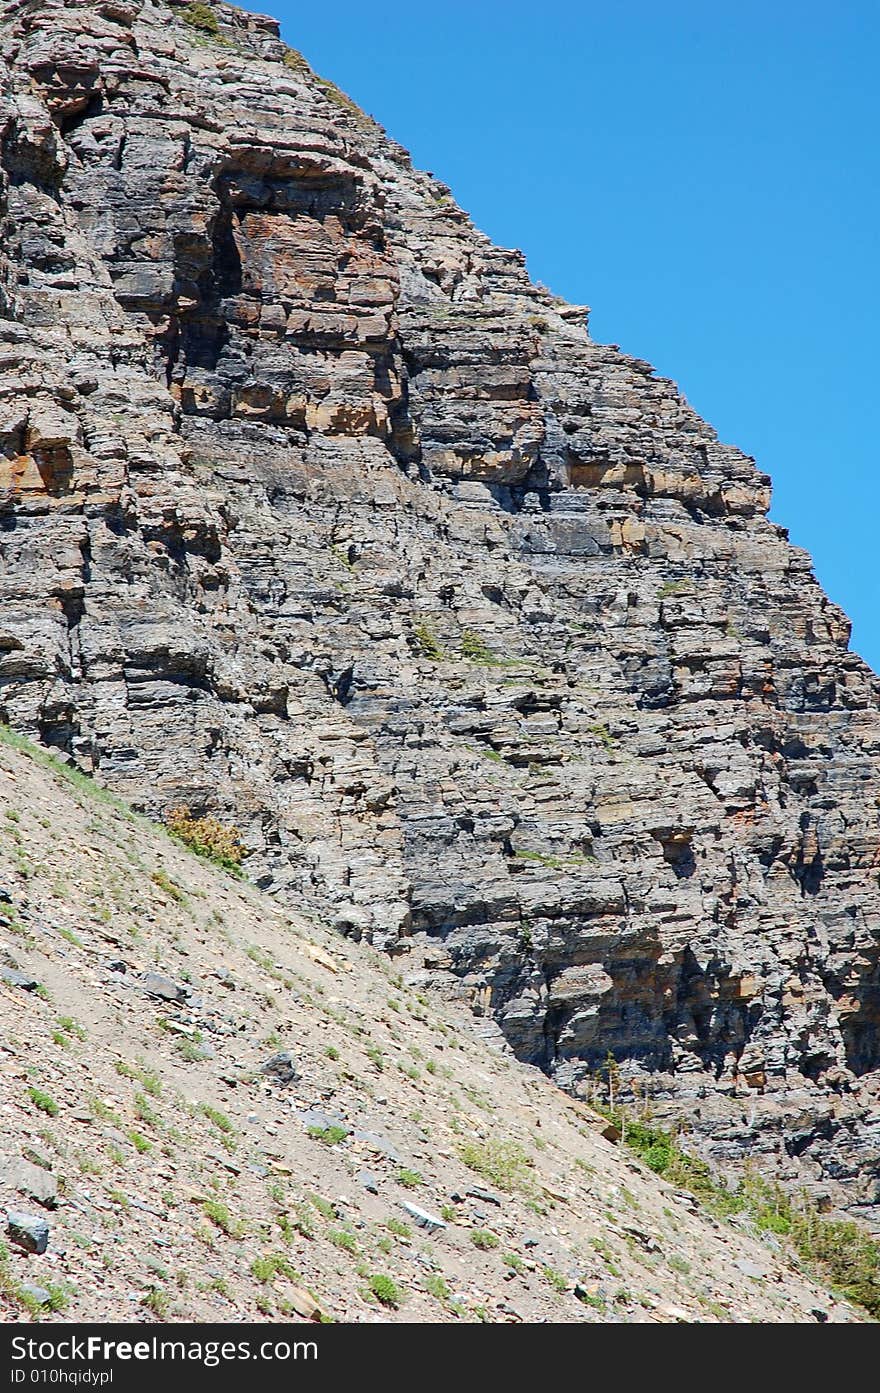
704, 174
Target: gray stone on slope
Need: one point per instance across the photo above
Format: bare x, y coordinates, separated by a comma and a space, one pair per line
424, 1218
13, 978
378, 1143
477, 1192
27, 1231
281, 1068
314, 1117
18, 1174
39, 1294
165, 988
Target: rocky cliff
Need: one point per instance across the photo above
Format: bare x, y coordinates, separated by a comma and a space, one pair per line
315, 513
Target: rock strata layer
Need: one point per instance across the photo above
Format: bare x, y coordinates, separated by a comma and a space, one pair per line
317, 515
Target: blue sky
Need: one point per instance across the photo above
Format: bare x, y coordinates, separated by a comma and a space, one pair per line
704, 174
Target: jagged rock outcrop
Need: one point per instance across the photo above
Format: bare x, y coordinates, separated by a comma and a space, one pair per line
316, 513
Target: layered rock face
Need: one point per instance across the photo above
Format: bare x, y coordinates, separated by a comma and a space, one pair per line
317, 514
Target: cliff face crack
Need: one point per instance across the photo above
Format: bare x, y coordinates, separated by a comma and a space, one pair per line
316, 514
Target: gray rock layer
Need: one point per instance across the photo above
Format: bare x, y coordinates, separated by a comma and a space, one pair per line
315, 513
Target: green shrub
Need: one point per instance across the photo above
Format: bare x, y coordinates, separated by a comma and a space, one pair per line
143, 1111
324, 1207
294, 60
844, 1253
436, 1286
505, 1163
42, 1102
384, 1289
556, 1279
168, 887
484, 1239
219, 1119
476, 649
341, 1238
200, 16
330, 1136
72, 1027
409, 1178
221, 1218
427, 643
208, 838
273, 1265
156, 1302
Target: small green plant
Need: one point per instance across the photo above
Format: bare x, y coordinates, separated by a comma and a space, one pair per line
342, 100
398, 1228
672, 587
556, 1279
199, 15
42, 1102
295, 61
341, 1238
409, 1178
332, 1052
476, 650
324, 1207
221, 1218
273, 1265
427, 643
191, 1051
505, 1163
436, 1286
484, 1239
384, 1289
143, 1111
139, 1142
168, 887
219, 1119
514, 1262
330, 1136
603, 735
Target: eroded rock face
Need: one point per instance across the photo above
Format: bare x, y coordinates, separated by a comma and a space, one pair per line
315, 513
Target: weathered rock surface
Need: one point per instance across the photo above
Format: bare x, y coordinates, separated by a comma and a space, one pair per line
316, 514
